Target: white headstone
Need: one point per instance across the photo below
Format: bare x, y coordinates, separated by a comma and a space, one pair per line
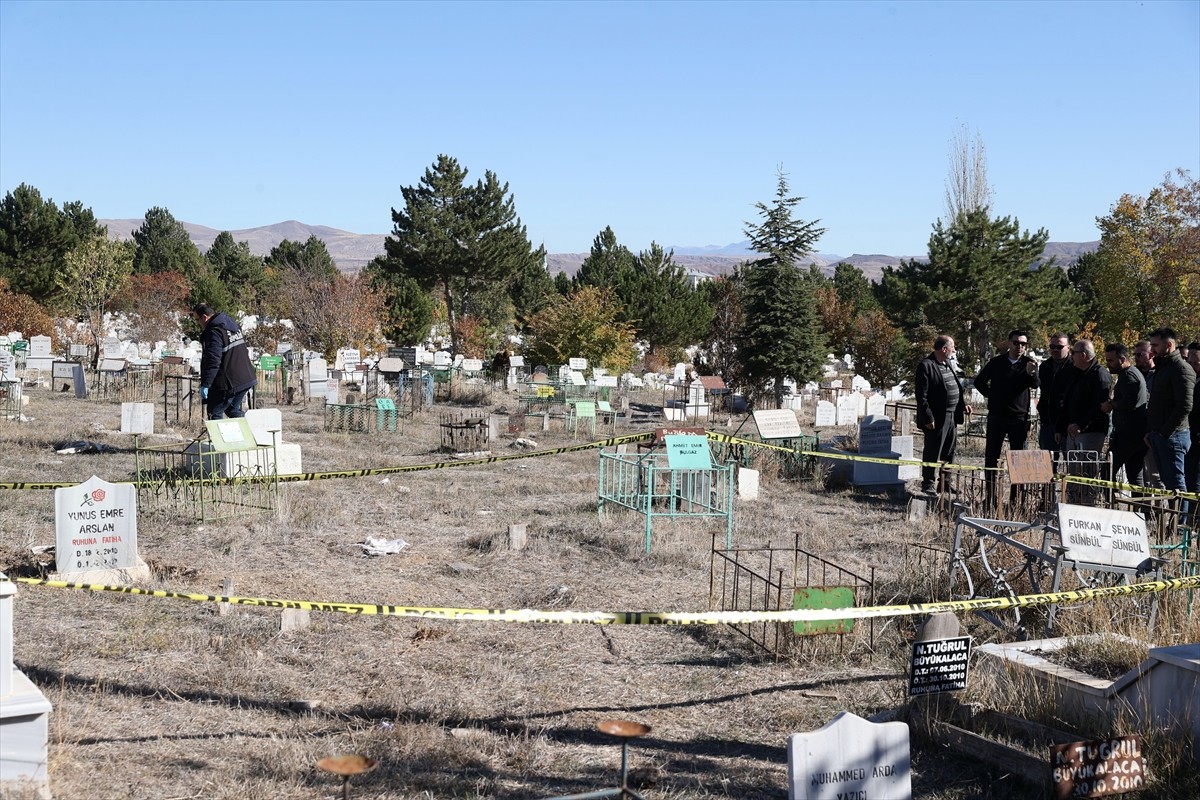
858, 383
516, 361
836, 384
577, 378
112, 348
332, 387
577, 364
8, 366
137, 418
903, 446
826, 414
850, 757
680, 371
96, 526
847, 409
318, 375
391, 365
777, 424
441, 359
39, 347
876, 405
472, 364
609, 381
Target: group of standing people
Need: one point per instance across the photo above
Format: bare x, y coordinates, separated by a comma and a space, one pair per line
1145, 404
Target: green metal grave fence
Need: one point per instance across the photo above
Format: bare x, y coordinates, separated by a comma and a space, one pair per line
200, 482
647, 484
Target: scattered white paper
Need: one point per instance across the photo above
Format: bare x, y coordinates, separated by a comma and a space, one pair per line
382, 547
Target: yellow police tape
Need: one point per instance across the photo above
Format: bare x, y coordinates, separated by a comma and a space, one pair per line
646, 617
610, 442
364, 473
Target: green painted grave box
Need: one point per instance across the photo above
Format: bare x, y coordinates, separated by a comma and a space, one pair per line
813, 598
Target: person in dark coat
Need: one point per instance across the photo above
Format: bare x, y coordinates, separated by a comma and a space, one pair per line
1054, 375
1082, 423
1006, 381
1191, 462
226, 372
1168, 435
941, 407
1128, 407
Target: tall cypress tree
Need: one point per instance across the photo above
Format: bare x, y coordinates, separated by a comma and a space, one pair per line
781, 335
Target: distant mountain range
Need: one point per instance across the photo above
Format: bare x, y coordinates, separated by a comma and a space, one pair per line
353, 251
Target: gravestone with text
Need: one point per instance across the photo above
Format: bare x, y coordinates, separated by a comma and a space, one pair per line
848, 409
826, 415
777, 424
96, 533
850, 758
875, 441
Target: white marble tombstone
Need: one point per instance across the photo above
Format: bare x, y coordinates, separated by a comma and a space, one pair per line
137, 418
848, 409
850, 757
826, 414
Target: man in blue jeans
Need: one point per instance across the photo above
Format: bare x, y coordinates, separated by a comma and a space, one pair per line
1170, 404
226, 372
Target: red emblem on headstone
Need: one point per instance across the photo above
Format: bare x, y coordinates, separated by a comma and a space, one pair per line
98, 495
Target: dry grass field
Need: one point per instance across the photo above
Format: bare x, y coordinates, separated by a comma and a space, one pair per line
163, 698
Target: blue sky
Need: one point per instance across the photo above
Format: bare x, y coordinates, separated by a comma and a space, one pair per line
665, 120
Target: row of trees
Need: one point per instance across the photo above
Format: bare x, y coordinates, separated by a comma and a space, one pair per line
459, 255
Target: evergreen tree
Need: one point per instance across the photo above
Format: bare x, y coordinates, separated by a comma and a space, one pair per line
238, 269
164, 245
35, 238
408, 310
669, 313
718, 348
983, 279
457, 239
609, 265
311, 257
532, 290
780, 337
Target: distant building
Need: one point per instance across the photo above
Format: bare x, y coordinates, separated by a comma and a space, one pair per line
696, 277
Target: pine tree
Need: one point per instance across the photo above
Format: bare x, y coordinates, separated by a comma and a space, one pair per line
457, 239
163, 245
983, 278
780, 337
36, 237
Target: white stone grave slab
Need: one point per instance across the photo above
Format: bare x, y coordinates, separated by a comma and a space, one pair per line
848, 409
826, 414
472, 365
441, 358
111, 348
606, 381
39, 347
850, 757
8, 366
747, 483
42, 365
96, 533
577, 364
516, 361
858, 383
137, 418
777, 424
680, 373
876, 405
391, 365
903, 446
332, 390
835, 384
577, 378
796, 402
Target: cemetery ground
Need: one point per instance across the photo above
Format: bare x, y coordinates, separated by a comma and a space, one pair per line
164, 698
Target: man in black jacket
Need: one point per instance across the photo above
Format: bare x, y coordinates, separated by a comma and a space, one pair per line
1170, 404
941, 407
226, 373
1055, 375
1128, 407
1005, 381
1083, 424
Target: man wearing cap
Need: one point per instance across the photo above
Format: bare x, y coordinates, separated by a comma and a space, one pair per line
226, 372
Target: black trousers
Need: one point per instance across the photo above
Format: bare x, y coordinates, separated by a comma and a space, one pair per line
999, 428
1129, 452
940, 445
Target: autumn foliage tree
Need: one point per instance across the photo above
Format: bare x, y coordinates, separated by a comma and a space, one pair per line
1146, 271
154, 302
21, 312
328, 314
583, 324
94, 274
